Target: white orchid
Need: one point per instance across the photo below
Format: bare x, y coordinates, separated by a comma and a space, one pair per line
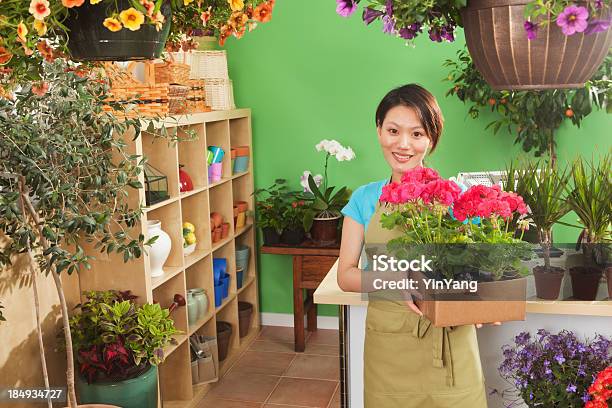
334, 148
318, 179
345, 154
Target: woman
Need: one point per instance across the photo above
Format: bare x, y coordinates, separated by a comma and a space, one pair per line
407, 362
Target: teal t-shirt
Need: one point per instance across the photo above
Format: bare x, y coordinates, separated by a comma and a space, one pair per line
362, 203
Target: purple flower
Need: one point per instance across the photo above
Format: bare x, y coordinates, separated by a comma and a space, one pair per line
346, 7
571, 388
447, 33
532, 30
434, 34
585, 397
522, 338
573, 20
410, 31
388, 25
389, 8
598, 4
597, 26
560, 359
369, 15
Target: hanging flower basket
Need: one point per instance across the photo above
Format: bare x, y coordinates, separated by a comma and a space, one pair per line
92, 36
558, 55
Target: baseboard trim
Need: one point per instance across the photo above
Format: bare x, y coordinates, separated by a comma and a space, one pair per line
286, 320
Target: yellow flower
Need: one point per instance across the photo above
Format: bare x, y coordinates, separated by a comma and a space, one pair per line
22, 31
187, 2
131, 18
236, 5
40, 27
112, 24
94, 1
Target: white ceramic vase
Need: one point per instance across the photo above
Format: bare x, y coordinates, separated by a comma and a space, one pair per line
159, 251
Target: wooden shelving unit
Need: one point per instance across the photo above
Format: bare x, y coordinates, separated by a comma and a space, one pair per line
220, 128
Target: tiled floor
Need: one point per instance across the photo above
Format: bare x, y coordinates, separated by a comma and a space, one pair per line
271, 375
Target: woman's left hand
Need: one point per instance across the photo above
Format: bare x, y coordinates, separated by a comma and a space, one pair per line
479, 325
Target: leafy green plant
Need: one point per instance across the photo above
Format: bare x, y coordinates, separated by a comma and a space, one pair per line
117, 339
65, 177
543, 188
323, 203
532, 116
293, 216
271, 205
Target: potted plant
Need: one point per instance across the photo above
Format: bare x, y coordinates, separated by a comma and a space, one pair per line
589, 196
462, 234
544, 188
293, 216
531, 116
600, 392
119, 344
527, 34
37, 30
270, 206
323, 207
552, 370
60, 150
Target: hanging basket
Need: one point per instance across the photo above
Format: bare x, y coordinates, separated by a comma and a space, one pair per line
89, 40
507, 60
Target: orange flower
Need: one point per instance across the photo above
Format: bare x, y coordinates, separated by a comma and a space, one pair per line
237, 20
40, 89
39, 9
249, 11
131, 18
45, 50
72, 3
5, 55
263, 12
240, 32
40, 27
224, 32
206, 15
22, 31
252, 25
112, 24
236, 5
149, 7
158, 19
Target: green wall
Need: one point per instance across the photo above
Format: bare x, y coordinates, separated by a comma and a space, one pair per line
310, 74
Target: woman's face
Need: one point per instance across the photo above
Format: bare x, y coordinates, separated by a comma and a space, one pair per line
403, 140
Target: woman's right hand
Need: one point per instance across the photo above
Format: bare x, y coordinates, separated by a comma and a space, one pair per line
412, 306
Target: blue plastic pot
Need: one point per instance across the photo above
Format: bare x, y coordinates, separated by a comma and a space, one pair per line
225, 282
218, 294
241, 164
219, 268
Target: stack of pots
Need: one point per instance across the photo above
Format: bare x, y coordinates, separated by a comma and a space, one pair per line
224, 334
245, 314
240, 210
240, 159
222, 280
197, 305
242, 263
214, 159
219, 229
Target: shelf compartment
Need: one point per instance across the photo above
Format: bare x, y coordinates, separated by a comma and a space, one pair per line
170, 348
249, 294
164, 295
162, 154
228, 252
248, 239
240, 134
172, 224
172, 385
244, 229
194, 209
199, 275
229, 314
192, 154
170, 272
217, 134
220, 201
242, 190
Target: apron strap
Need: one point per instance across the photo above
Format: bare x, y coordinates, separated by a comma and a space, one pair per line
441, 346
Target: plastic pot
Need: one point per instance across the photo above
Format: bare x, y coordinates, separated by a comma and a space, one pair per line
245, 314
270, 236
218, 294
585, 282
548, 283
243, 253
225, 282
292, 236
224, 334
239, 277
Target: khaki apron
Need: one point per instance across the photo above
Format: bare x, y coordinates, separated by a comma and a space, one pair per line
410, 363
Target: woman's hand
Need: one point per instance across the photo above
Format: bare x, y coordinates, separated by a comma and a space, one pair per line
479, 325
412, 306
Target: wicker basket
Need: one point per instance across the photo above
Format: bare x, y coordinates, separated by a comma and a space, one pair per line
171, 72
219, 93
138, 99
197, 96
178, 98
208, 64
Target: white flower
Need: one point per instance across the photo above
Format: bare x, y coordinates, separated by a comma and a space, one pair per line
334, 147
322, 145
345, 154
304, 180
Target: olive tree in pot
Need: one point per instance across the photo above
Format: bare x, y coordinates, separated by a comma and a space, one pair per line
590, 197
270, 205
323, 215
64, 177
542, 187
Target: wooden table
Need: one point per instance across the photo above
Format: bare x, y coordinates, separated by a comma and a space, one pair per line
310, 265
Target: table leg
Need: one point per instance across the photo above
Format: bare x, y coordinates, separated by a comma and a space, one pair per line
312, 311
298, 305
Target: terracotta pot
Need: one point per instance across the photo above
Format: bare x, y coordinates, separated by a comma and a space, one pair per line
585, 282
548, 283
498, 44
609, 279
242, 206
217, 234
217, 219
225, 229
242, 151
325, 230
233, 153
